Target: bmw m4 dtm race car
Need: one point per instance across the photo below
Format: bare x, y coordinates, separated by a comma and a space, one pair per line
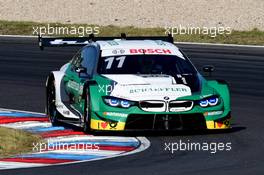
133, 83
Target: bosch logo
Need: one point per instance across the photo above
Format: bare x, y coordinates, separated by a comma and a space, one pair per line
150, 51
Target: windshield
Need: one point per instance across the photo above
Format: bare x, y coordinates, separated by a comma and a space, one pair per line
145, 64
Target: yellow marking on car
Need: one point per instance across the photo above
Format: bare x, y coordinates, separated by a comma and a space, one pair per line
105, 125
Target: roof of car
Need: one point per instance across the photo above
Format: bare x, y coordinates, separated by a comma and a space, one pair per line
119, 43
109, 47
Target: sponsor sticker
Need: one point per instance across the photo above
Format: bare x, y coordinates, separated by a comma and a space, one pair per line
151, 51
171, 89
107, 125
118, 51
213, 113
115, 114
223, 124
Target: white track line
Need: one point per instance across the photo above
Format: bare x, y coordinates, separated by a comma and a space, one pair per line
93, 138
10, 111
26, 125
19, 36
84, 152
15, 165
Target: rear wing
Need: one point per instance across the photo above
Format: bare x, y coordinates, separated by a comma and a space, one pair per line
82, 41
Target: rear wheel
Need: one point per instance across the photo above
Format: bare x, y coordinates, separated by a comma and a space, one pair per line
51, 110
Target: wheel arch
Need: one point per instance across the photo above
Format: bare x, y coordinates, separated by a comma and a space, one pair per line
60, 92
222, 88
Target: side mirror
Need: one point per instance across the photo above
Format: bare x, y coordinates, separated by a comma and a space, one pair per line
80, 70
208, 69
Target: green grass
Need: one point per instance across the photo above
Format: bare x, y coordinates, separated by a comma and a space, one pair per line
13, 142
253, 37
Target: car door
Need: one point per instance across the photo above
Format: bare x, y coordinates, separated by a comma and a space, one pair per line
80, 70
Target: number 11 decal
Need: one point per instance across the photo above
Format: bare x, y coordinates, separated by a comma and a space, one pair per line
110, 61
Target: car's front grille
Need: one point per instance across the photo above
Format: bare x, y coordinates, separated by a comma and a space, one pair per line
162, 106
152, 106
177, 106
165, 121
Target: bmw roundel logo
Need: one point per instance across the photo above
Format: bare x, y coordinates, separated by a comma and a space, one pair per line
166, 98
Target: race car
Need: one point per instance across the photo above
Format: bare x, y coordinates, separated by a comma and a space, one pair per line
133, 83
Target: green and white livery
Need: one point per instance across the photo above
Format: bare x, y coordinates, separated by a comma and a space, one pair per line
133, 83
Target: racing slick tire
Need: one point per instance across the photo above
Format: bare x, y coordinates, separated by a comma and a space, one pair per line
51, 109
87, 111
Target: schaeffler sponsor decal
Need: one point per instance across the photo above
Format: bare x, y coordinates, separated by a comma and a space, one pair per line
150, 51
150, 92
166, 89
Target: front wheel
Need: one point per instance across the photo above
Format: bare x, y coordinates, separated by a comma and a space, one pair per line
51, 110
87, 112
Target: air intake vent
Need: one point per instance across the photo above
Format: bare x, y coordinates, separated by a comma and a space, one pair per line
152, 106
178, 106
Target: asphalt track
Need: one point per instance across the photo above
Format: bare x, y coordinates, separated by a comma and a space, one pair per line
23, 68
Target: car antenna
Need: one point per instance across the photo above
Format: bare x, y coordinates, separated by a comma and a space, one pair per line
91, 37
170, 38
123, 36
40, 42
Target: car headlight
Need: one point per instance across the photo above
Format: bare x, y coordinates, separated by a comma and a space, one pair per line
203, 103
125, 104
113, 102
210, 101
117, 102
